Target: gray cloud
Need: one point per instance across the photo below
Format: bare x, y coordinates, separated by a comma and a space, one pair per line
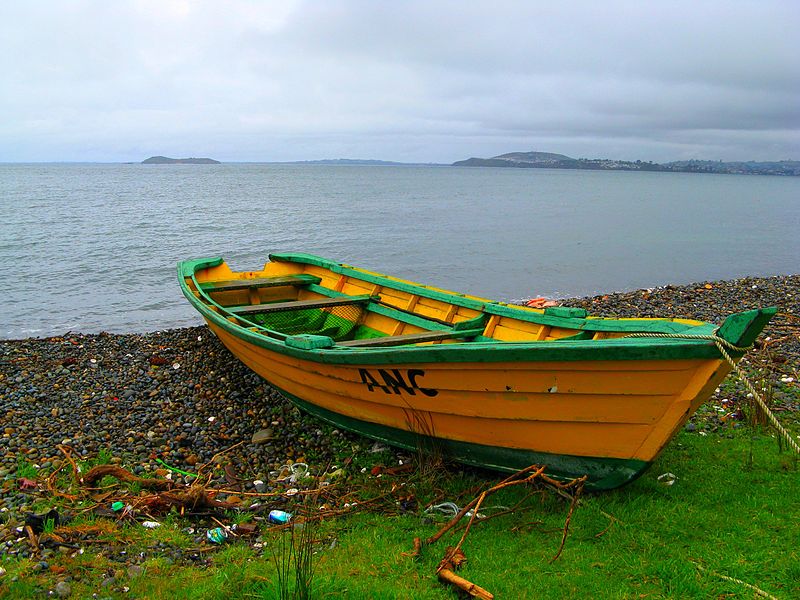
419, 81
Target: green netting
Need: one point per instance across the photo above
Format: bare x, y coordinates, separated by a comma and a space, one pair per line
336, 322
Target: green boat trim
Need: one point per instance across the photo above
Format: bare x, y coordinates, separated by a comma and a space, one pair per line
603, 473
739, 329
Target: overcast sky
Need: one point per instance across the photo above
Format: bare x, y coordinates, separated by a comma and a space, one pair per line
423, 81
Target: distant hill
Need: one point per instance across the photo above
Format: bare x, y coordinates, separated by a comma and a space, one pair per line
163, 160
516, 159
547, 160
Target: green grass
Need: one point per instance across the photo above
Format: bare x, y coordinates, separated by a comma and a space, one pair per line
25, 470
733, 510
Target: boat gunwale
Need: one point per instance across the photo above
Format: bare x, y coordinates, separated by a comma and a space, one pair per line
491, 307
456, 352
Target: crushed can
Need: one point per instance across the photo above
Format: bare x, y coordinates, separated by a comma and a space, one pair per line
217, 535
279, 517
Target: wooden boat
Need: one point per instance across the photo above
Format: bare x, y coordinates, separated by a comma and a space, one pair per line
494, 385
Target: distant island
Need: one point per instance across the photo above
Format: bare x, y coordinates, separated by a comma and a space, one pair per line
163, 160
547, 160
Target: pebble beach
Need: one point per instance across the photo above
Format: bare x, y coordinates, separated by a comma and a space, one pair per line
179, 398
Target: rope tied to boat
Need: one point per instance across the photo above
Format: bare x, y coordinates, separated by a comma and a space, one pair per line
722, 344
687, 336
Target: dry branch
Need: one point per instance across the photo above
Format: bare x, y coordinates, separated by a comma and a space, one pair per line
97, 473
453, 559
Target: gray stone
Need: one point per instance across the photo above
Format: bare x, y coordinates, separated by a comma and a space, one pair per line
135, 571
63, 589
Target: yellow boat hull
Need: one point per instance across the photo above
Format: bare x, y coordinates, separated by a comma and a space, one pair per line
526, 387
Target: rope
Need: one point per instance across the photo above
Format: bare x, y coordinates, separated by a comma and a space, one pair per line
686, 336
721, 345
758, 591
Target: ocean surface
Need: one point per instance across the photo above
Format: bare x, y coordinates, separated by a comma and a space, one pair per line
93, 247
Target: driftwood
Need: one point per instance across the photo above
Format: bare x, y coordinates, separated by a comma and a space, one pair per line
454, 556
453, 559
192, 499
97, 473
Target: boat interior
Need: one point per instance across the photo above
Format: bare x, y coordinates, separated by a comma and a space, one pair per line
352, 308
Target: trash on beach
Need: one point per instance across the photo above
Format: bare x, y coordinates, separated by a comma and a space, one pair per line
217, 535
151, 524
291, 473
299, 471
667, 478
449, 509
279, 517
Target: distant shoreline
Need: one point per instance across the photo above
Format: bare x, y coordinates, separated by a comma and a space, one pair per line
792, 168
548, 160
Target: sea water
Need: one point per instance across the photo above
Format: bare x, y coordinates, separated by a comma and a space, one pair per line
93, 247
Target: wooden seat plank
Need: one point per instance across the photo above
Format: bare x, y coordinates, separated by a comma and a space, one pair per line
411, 338
260, 282
298, 305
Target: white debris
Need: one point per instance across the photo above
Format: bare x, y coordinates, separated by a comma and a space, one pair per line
667, 478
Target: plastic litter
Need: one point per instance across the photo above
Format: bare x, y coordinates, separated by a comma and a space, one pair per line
217, 535
667, 478
291, 473
299, 471
451, 509
117, 506
378, 447
279, 517
166, 466
151, 524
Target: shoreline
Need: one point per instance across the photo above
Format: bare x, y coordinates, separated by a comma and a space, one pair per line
179, 396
